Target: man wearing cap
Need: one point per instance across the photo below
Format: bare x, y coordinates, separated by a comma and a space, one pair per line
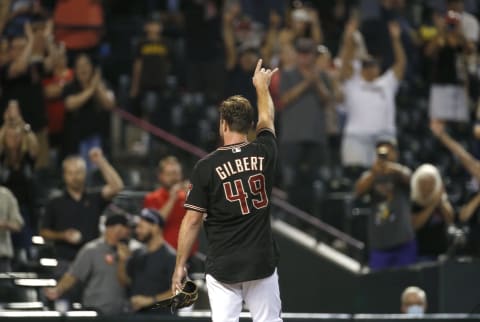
304, 97
95, 267
391, 235
147, 272
369, 98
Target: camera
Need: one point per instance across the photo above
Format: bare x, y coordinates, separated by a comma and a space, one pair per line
452, 19
382, 152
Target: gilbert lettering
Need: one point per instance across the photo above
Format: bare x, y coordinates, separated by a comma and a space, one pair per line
240, 165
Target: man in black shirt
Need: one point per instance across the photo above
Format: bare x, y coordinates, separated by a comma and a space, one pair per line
87, 104
71, 220
149, 75
147, 271
232, 186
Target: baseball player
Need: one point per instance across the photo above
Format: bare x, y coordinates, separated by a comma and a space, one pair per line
232, 186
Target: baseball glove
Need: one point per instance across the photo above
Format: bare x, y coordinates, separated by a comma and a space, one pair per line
186, 297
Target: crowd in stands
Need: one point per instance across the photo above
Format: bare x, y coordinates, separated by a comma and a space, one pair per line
379, 95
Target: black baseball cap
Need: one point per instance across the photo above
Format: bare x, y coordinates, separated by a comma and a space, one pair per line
116, 219
152, 216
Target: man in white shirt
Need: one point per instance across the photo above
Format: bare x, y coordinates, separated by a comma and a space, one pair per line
369, 98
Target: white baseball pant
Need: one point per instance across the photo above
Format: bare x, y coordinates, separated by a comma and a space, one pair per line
262, 298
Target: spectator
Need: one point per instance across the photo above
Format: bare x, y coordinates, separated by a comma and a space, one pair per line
21, 78
87, 99
304, 23
432, 212
304, 97
377, 37
79, 25
332, 123
271, 49
71, 220
19, 12
448, 95
168, 200
95, 268
18, 150
469, 213
369, 99
246, 31
53, 86
240, 62
413, 301
10, 220
147, 272
391, 235
204, 47
150, 70
258, 11
334, 15
468, 23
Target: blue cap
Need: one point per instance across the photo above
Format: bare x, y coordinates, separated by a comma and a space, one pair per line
152, 216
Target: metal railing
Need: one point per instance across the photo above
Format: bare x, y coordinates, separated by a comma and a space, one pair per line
278, 195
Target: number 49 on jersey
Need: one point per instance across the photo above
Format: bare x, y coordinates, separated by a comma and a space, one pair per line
256, 195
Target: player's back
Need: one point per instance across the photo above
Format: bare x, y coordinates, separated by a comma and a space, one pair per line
233, 186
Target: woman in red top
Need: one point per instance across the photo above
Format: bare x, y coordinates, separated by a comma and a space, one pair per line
53, 88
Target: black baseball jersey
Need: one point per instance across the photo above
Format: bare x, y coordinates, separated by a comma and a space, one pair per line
232, 186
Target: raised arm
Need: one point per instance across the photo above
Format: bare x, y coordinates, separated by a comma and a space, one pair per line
114, 184
469, 209
123, 254
20, 63
266, 109
271, 37
468, 161
347, 51
316, 28
136, 74
4, 12
400, 62
229, 38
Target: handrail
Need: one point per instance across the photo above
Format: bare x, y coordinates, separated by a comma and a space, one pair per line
278, 195
317, 223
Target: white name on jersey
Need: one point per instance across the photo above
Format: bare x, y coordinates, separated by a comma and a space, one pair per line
240, 165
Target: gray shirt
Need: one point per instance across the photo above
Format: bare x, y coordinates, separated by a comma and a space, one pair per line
390, 222
303, 120
96, 268
9, 214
